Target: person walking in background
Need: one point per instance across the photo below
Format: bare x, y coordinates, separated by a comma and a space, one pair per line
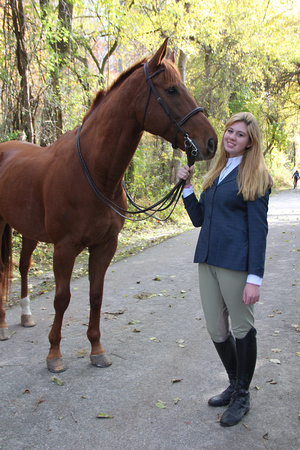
296, 177
232, 214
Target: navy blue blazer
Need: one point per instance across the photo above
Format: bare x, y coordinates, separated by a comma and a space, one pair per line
233, 231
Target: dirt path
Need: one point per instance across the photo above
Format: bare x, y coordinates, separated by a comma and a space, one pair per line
153, 329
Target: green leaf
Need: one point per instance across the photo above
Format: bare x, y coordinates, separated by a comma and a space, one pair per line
58, 381
104, 416
160, 404
134, 322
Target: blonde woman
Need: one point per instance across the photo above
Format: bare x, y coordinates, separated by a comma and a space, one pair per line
232, 214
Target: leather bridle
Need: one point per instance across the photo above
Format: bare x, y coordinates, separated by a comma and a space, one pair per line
190, 148
173, 196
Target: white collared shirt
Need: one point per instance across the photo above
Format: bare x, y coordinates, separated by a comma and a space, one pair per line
232, 163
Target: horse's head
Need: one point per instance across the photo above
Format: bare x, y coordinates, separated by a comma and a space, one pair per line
171, 112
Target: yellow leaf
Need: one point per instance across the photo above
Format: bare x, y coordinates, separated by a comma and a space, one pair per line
104, 416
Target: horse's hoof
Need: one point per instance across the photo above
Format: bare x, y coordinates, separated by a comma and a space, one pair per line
56, 365
27, 320
100, 360
4, 334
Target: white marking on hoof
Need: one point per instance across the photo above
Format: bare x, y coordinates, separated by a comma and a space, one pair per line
25, 305
4, 335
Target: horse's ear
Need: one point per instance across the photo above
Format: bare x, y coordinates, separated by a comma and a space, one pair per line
171, 57
161, 53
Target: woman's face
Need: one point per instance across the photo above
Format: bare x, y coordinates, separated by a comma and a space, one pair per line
236, 139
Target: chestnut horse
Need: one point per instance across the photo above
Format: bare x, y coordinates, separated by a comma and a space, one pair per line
46, 196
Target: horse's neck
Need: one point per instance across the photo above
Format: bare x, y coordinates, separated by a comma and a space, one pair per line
109, 139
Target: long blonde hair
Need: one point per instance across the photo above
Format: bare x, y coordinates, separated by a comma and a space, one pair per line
253, 178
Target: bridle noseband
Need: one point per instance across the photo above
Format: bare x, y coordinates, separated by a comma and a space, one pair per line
190, 148
173, 196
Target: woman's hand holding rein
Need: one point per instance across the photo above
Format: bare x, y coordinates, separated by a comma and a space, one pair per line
186, 173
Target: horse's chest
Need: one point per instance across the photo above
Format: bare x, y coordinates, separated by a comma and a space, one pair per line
102, 231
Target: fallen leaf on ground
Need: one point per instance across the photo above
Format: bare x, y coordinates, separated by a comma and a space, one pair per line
104, 416
58, 381
160, 404
180, 343
154, 339
275, 361
134, 322
271, 382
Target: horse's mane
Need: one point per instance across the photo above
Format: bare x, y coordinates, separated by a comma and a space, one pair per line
172, 76
103, 93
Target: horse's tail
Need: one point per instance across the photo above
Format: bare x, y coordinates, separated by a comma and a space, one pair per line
6, 256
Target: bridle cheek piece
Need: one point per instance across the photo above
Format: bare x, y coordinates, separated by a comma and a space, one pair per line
190, 147
170, 199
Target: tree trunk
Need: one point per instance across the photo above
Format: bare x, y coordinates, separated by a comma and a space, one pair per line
177, 153
18, 17
52, 116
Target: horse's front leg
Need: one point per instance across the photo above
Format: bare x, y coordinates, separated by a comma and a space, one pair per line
100, 257
63, 262
28, 245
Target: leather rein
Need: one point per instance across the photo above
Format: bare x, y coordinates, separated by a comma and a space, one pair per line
173, 196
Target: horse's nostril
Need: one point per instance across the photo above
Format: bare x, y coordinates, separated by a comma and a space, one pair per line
210, 145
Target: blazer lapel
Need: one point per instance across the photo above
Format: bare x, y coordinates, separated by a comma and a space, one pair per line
231, 176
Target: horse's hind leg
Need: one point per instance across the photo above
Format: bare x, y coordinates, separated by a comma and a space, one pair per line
5, 272
28, 246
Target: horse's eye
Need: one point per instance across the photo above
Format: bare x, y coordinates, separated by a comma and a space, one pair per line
172, 90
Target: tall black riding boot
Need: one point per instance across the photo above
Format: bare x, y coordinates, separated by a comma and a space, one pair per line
227, 353
246, 359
